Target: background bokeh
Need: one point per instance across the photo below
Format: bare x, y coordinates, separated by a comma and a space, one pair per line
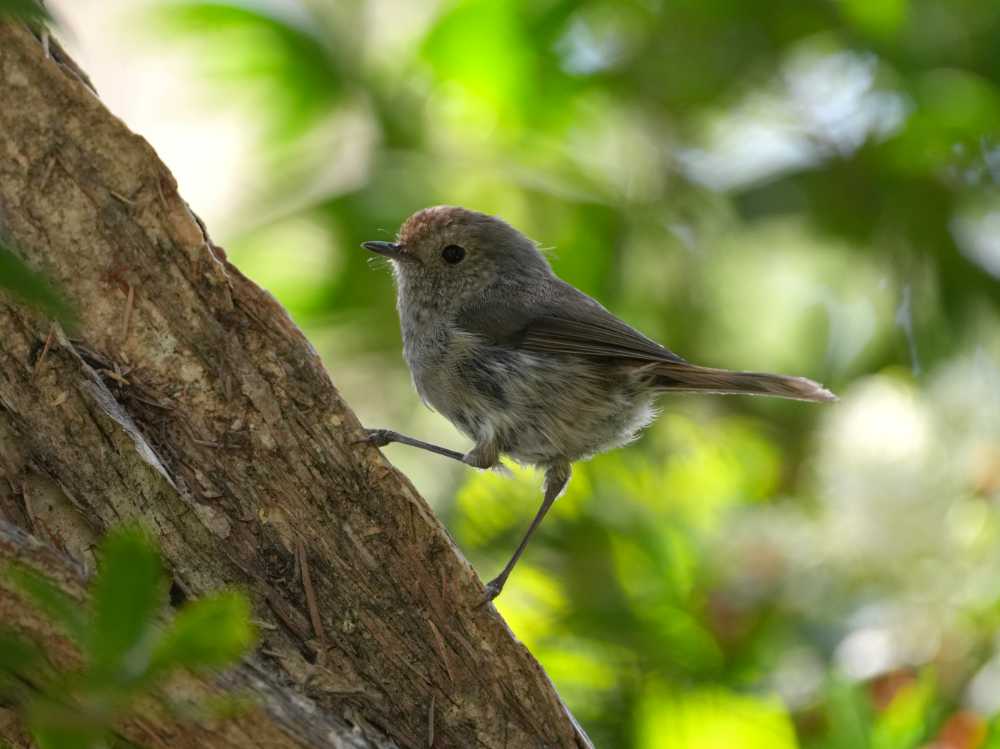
806, 186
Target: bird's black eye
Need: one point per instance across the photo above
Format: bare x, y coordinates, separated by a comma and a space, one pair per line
453, 254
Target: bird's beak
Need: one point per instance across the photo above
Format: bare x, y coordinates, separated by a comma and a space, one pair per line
391, 250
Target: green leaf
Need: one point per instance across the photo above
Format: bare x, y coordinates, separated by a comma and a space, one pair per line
712, 717
848, 713
992, 739
62, 737
56, 726
62, 608
30, 287
208, 633
27, 10
906, 720
880, 18
129, 590
19, 658
16, 652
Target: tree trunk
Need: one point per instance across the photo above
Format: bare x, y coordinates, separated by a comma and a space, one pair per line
188, 401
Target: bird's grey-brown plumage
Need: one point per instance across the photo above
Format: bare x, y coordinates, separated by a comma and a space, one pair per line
525, 364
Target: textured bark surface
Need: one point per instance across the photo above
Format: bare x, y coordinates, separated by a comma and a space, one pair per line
187, 400
276, 719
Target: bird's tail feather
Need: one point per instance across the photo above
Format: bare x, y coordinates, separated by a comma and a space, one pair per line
684, 377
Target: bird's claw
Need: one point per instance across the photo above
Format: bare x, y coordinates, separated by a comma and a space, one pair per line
377, 437
493, 588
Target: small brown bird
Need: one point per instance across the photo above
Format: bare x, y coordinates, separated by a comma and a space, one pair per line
523, 363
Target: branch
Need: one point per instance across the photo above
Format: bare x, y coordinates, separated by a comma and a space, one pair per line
187, 400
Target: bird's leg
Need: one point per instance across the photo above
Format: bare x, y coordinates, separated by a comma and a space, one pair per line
483, 455
555, 481
382, 437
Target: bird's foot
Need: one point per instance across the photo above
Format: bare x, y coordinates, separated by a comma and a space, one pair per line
378, 437
493, 588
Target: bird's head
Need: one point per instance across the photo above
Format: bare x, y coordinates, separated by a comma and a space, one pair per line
445, 256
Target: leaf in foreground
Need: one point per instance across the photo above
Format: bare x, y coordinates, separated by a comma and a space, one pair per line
28, 286
209, 633
65, 610
27, 10
127, 594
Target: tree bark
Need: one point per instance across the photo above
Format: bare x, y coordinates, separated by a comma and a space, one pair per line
277, 719
188, 401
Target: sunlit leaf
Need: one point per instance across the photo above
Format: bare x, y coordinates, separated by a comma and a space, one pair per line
907, 718
848, 715
502, 57
992, 738
880, 18
478, 45
713, 719
127, 593
209, 633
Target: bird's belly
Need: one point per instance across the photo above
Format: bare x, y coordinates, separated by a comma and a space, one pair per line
540, 409
586, 410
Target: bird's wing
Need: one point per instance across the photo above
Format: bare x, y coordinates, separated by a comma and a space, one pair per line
563, 320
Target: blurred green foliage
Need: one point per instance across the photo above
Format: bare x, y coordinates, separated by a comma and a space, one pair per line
126, 652
811, 186
29, 287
